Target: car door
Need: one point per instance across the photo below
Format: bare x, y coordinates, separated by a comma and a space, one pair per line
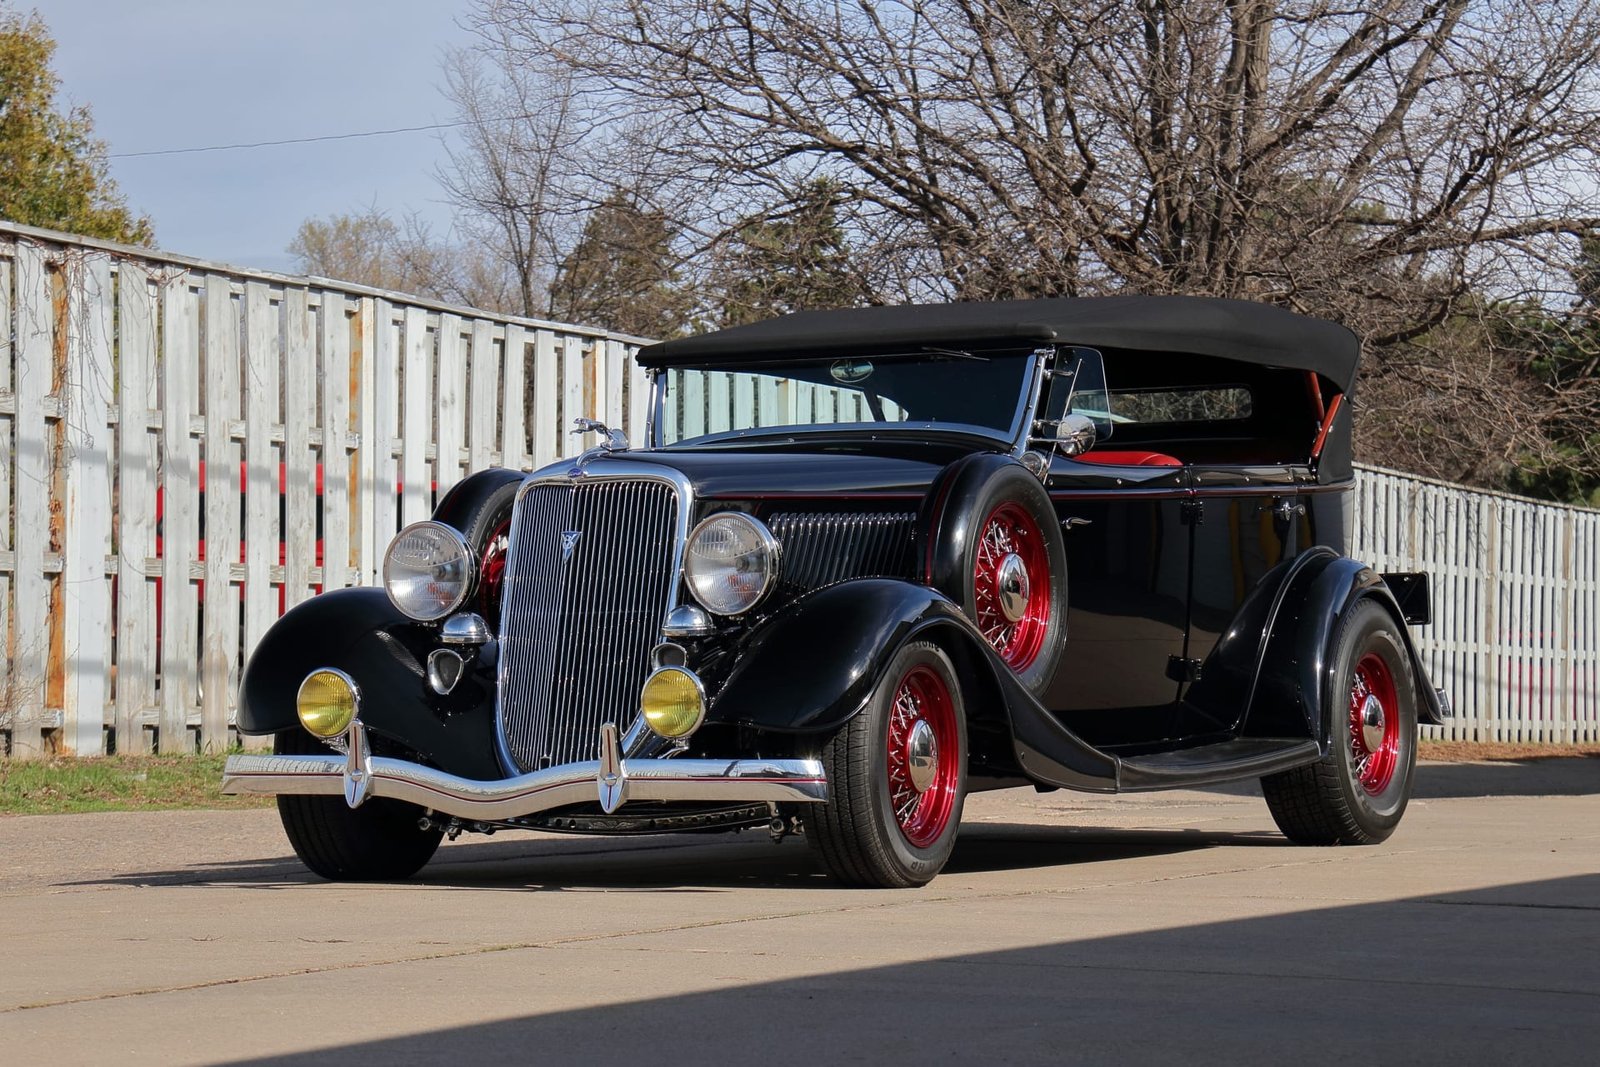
1248, 519
1128, 569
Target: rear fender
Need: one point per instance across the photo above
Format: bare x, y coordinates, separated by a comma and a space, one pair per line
360, 632
1295, 668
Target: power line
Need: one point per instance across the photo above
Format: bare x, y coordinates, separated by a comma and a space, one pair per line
291, 140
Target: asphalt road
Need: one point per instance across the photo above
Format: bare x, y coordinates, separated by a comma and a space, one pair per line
1163, 927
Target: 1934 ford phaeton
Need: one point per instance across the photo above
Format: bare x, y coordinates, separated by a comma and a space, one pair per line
870, 561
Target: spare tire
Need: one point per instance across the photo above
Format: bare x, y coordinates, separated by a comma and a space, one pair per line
480, 507
995, 548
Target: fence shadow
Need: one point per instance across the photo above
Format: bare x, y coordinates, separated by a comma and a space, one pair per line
1566, 776
1424, 979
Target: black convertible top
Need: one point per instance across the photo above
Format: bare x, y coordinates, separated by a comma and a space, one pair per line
1230, 329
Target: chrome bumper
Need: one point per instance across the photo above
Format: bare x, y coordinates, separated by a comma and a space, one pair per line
610, 780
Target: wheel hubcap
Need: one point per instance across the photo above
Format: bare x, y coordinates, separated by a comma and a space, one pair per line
924, 756
1011, 585
1374, 724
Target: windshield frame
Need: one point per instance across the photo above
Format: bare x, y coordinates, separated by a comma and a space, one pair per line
1015, 438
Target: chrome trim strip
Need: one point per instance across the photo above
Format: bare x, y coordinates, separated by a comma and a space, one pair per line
755, 780
1036, 387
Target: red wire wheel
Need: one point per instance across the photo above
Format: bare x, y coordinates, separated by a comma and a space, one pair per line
923, 757
1374, 724
1011, 585
492, 570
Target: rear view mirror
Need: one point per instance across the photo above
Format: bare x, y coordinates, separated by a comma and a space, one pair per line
1075, 435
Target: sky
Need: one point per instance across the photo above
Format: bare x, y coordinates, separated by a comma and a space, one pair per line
163, 74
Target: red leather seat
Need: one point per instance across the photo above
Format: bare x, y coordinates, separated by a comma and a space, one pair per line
1129, 458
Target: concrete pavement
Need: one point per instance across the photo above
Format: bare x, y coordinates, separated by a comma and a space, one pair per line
1068, 928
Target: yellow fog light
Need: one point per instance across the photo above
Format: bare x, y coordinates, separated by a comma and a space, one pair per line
326, 702
672, 702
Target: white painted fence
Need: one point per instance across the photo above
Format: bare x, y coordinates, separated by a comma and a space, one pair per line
1515, 637
165, 425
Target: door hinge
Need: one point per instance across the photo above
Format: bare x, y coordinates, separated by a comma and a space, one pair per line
1192, 512
1184, 670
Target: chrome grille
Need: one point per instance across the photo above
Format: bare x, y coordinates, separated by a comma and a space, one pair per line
577, 627
823, 548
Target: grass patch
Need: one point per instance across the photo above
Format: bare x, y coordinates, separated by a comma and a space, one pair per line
1500, 751
165, 783
115, 783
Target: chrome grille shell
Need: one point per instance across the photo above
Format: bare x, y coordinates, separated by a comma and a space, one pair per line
576, 632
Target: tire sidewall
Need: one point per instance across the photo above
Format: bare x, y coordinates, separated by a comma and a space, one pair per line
920, 864
1371, 629
485, 516
477, 523
1015, 484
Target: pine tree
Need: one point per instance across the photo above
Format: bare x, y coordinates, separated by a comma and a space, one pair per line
796, 258
622, 275
53, 171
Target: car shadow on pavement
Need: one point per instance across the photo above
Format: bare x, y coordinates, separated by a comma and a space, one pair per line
699, 863
1495, 975
1545, 776
709, 863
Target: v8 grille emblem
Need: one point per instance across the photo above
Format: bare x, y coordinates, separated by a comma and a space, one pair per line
569, 541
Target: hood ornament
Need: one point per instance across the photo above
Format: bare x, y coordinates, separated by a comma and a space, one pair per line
615, 441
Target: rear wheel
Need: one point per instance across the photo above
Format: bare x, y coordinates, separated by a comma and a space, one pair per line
378, 842
897, 776
1356, 794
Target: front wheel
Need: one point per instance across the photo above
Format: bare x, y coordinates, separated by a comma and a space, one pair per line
1356, 794
378, 842
897, 776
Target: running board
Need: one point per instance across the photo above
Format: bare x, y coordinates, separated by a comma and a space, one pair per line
1226, 761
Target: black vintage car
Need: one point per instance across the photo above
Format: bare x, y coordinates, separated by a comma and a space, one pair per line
870, 561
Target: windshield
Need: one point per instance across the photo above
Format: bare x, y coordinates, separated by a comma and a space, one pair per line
978, 393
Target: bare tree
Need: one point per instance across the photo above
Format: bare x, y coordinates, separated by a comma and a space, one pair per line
370, 248
510, 175
1398, 165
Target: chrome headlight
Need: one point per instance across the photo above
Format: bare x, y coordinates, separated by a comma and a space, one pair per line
730, 563
428, 570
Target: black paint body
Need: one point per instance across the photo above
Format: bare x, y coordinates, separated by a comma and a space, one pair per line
1203, 599
798, 668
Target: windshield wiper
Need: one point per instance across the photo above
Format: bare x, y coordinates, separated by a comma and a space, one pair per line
955, 354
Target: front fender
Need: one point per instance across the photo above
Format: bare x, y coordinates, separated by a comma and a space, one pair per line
360, 632
811, 669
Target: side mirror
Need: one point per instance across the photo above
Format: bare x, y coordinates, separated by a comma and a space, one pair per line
1075, 435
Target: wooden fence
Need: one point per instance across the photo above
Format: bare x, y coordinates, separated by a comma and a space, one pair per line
187, 449
165, 427
1515, 637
